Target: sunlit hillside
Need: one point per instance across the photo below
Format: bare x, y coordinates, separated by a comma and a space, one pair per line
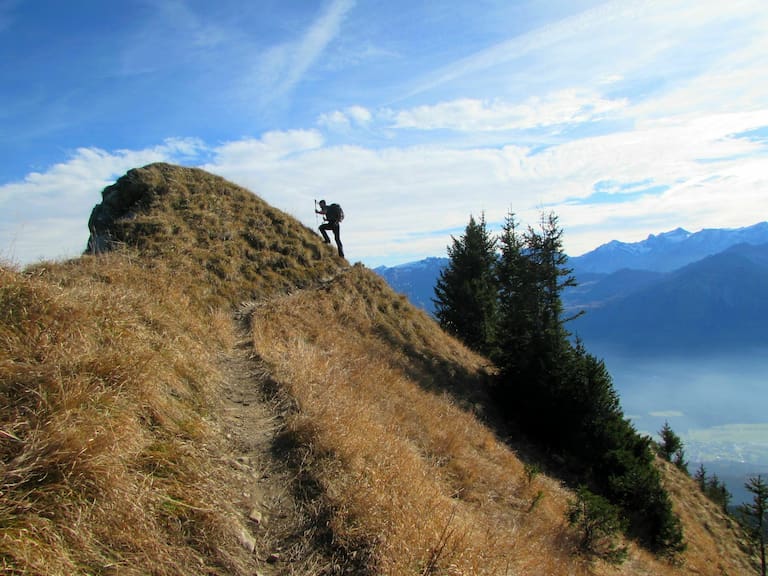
221, 394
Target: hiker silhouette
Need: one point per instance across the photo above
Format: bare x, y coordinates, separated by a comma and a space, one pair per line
332, 216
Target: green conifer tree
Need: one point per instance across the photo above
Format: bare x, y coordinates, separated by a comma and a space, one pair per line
517, 303
552, 276
466, 291
755, 516
562, 395
670, 442
671, 447
533, 343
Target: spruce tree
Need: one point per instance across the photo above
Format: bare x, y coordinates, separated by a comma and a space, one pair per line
562, 395
517, 303
545, 250
466, 291
671, 448
533, 343
755, 516
670, 442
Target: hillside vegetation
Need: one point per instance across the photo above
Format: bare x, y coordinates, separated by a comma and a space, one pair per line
221, 394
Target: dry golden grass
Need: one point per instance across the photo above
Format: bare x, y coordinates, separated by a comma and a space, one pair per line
411, 476
105, 396
112, 459
716, 544
418, 483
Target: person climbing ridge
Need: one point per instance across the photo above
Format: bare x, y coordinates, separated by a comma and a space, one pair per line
332, 216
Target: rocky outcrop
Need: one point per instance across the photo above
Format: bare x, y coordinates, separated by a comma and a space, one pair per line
120, 201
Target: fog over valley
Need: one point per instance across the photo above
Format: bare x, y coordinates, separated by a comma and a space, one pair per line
716, 404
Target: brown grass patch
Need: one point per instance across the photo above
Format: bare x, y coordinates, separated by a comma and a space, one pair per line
387, 427
105, 395
410, 477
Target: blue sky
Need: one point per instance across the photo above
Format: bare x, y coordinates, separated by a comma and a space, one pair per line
624, 117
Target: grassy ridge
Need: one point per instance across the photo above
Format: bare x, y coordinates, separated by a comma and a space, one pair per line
387, 427
228, 242
112, 457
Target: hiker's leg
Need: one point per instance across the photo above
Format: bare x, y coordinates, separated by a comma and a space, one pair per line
337, 237
323, 228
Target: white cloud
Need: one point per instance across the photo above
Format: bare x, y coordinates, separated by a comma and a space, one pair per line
336, 120
714, 179
252, 154
344, 119
563, 107
667, 414
359, 114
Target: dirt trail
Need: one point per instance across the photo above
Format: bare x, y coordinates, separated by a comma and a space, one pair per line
280, 523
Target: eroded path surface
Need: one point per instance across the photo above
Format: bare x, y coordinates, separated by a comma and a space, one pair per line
281, 526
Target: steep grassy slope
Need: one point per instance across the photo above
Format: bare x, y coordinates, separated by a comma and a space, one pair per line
410, 473
410, 478
114, 443
107, 383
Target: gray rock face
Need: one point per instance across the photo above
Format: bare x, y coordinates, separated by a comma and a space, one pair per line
119, 202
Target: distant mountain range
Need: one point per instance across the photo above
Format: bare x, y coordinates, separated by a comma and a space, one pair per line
676, 292
667, 251
415, 279
718, 302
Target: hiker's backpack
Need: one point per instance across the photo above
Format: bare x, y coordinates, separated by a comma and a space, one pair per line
334, 213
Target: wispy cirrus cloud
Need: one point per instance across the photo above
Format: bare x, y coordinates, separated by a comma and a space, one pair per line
172, 37
679, 57
523, 47
283, 66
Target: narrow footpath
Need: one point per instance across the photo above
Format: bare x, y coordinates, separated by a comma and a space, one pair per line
280, 527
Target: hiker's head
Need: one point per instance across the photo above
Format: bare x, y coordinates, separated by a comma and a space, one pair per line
322, 203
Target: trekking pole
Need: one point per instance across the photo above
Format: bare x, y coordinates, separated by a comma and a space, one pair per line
316, 220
